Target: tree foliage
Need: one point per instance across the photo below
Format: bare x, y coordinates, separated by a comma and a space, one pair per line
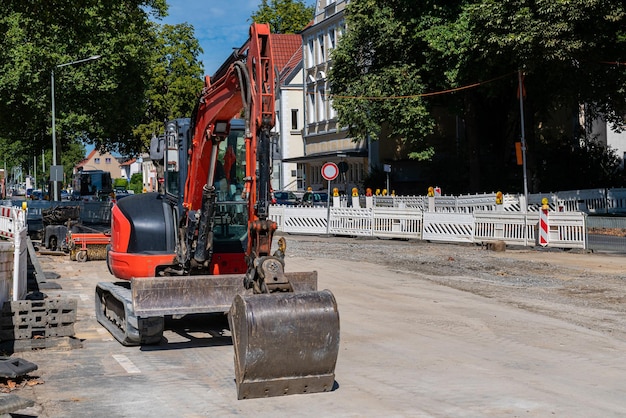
147, 73
175, 80
98, 101
284, 16
471, 50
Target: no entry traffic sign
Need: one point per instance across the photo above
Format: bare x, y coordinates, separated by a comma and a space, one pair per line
330, 171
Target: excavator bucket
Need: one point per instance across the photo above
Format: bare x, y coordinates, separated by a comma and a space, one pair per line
285, 343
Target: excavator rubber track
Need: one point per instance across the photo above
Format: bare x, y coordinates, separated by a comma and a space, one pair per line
285, 343
114, 310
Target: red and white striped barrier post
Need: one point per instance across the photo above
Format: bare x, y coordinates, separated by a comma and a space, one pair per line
544, 226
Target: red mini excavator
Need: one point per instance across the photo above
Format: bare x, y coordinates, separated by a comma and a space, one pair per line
202, 244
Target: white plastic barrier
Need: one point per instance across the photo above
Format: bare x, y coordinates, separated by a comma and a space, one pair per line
303, 220
449, 227
510, 227
397, 223
13, 255
20, 265
616, 201
567, 229
12, 220
6, 271
351, 221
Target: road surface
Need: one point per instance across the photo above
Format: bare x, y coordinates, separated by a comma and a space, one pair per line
415, 342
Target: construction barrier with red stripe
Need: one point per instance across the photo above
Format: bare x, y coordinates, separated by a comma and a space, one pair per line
13, 260
12, 220
544, 227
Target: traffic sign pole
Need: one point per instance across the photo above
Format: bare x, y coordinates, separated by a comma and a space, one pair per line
330, 171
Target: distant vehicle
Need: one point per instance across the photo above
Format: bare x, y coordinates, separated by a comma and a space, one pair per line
92, 185
121, 193
315, 199
37, 195
29, 193
65, 195
285, 197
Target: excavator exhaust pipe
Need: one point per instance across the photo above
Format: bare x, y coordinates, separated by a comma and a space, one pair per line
285, 343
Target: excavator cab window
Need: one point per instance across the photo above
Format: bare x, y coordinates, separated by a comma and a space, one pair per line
231, 222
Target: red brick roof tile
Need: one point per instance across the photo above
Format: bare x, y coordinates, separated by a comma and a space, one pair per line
293, 62
284, 46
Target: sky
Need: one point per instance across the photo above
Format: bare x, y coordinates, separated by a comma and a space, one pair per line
219, 26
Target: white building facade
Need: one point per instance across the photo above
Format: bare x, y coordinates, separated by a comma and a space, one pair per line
289, 126
324, 139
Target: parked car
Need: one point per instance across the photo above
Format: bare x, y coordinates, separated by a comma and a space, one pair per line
121, 193
285, 197
315, 199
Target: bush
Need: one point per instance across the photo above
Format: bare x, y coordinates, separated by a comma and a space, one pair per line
136, 183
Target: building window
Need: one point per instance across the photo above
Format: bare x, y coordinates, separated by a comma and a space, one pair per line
321, 112
96, 160
107, 160
331, 38
322, 57
294, 119
310, 55
311, 109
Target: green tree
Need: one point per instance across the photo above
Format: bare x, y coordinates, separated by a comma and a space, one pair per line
562, 47
72, 154
98, 102
136, 183
175, 81
377, 76
284, 16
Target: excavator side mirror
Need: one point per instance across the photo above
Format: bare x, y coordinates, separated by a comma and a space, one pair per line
157, 146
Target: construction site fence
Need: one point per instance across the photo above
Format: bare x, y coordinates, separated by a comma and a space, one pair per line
566, 229
13, 254
590, 201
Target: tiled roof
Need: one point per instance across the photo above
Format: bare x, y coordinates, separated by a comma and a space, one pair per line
89, 157
284, 46
128, 162
287, 51
293, 62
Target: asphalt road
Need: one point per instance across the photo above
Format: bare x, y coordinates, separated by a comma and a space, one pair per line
409, 347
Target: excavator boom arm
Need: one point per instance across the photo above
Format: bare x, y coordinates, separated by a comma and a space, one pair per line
248, 87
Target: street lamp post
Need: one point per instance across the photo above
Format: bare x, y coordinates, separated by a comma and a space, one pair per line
53, 169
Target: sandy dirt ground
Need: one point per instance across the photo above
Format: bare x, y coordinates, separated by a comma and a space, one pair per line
427, 330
